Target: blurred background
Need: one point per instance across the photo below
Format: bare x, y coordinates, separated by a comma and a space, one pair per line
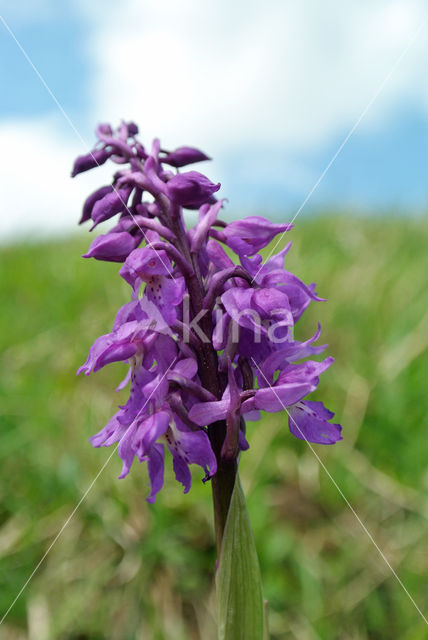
270, 90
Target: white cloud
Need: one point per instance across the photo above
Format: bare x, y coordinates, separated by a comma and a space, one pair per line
231, 75
261, 87
235, 78
38, 196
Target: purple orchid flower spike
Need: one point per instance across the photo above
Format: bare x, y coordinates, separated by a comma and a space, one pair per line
207, 344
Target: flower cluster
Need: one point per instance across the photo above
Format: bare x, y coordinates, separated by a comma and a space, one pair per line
208, 343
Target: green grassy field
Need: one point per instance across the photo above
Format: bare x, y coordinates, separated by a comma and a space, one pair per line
125, 570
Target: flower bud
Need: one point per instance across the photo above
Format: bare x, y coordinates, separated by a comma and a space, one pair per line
111, 247
183, 156
110, 204
89, 161
91, 200
190, 189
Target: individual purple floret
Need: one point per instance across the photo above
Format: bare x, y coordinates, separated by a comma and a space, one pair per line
190, 189
208, 341
184, 156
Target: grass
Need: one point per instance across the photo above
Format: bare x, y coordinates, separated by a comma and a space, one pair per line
125, 570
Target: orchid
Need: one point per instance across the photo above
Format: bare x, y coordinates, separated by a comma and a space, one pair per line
208, 342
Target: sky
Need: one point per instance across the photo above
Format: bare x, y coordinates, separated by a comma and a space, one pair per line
270, 90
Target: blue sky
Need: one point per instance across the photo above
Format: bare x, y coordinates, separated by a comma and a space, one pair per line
270, 90
53, 43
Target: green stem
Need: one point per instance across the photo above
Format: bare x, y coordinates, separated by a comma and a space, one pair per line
222, 483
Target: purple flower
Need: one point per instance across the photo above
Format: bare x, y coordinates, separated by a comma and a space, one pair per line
207, 217
309, 421
184, 156
118, 346
154, 268
218, 255
187, 447
112, 247
146, 434
251, 234
144, 264
91, 200
114, 347
273, 274
90, 161
110, 204
264, 319
206, 344
294, 382
190, 189
258, 309
228, 409
288, 352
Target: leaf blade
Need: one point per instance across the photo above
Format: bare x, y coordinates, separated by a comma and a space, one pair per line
240, 607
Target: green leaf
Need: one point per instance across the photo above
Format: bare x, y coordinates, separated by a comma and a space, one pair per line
240, 609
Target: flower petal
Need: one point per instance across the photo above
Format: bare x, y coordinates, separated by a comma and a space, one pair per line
251, 234
111, 433
204, 413
126, 450
148, 431
112, 347
182, 472
155, 466
308, 421
278, 397
187, 367
193, 447
145, 263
